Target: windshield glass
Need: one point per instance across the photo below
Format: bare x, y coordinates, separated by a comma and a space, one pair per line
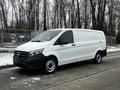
46, 36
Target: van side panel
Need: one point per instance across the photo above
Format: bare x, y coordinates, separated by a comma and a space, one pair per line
81, 36
88, 43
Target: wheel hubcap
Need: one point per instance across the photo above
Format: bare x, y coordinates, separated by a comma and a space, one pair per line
99, 58
50, 66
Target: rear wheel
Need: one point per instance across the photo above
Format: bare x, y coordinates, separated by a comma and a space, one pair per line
98, 58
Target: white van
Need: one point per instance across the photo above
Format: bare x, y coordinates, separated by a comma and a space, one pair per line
58, 47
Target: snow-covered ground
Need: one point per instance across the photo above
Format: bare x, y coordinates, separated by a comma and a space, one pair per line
7, 58
7, 49
113, 48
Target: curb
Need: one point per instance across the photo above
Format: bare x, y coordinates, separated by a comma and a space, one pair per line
113, 51
6, 51
6, 67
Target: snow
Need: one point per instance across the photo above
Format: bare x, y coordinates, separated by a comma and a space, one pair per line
13, 78
36, 78
7, 58
113, 48
7, 49
29, 81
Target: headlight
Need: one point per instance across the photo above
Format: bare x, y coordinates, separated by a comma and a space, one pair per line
36, 52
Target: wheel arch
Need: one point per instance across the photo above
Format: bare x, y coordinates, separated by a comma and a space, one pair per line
98, 51
54, 57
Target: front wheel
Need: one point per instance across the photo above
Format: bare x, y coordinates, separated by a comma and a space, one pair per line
50, 65
98, 58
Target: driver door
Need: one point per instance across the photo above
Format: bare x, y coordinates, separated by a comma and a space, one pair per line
65, 48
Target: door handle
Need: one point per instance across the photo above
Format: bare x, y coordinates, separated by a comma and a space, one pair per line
73, 44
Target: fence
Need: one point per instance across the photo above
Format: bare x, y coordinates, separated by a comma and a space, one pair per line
14, 37
111, 40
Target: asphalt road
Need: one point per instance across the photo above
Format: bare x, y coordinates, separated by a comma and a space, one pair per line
80, 76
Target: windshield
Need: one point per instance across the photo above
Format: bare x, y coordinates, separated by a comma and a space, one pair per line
46, 36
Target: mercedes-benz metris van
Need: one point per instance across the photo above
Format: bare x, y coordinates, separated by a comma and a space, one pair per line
57, 47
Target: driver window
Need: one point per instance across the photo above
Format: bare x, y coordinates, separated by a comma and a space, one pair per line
66, 37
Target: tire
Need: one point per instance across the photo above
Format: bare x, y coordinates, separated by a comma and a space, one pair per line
98, 58
50, 65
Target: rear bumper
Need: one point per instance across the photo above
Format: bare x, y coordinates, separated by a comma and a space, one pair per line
34, 62
104, 53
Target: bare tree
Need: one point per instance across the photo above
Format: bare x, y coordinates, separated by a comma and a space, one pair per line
73, 14
78, 15
85, 13
45, 15
4, 13
14, 5
98, 8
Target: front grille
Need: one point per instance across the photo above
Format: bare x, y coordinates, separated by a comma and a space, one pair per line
21, 54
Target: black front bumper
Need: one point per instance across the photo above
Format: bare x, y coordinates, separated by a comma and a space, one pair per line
25, 61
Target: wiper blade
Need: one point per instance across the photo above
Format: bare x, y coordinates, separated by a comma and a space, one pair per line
37, 41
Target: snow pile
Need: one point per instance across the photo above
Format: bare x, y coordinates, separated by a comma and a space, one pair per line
113, 49
6, 59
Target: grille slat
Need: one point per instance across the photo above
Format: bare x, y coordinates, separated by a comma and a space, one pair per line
21, 53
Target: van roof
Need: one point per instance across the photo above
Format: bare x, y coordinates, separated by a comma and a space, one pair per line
67, 29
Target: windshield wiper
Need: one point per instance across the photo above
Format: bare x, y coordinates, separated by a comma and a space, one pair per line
37, 41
